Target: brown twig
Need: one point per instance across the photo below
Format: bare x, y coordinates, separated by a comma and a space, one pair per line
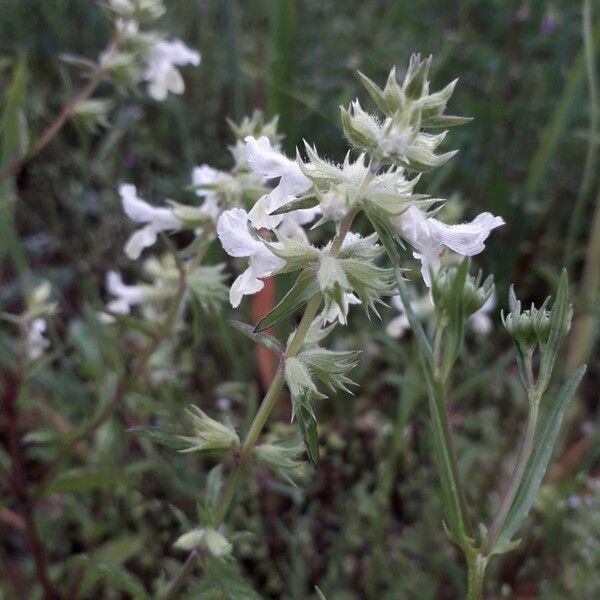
15, 167
11, 387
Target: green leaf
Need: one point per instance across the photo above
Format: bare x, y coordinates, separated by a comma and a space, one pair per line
225, 576
12, 147
115, 576
456, 315
558, 318
374, 91
538, 462
383, 231
304, 288
269, 342
320, 594
297, 204
162, 437
310, 436
83, 480
444, 121
133, 323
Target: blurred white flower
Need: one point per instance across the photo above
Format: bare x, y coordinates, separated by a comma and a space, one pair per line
205, 175
155, 219
161, 72
35, 341
423, 308
238, 241
269, 163
480, 321
125, 296
429, 236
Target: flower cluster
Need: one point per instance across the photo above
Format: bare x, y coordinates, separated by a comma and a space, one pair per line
145, 55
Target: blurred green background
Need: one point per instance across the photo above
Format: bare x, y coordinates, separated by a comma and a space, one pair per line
368, 523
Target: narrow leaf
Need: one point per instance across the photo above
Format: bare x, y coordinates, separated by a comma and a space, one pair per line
162, 437
308, 428
297, 204
83, 480
304, 288
269, 342
538, 463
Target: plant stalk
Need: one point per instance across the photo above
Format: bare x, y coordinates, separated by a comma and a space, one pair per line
268, 403
476, 564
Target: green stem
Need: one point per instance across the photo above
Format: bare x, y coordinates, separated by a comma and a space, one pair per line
523, 456
453, 490
476, 564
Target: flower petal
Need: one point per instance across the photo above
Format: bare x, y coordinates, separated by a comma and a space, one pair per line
247, 283
235, 237
142, 238
466, 238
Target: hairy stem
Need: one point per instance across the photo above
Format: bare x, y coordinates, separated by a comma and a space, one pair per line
476, 564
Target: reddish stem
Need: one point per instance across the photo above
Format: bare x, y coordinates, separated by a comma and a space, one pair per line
11, 388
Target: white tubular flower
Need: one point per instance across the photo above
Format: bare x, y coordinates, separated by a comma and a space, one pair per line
155, 219
35, 341
161, 74
429, 236
269, 163
480, 320
125, 296
238, 241
205, 175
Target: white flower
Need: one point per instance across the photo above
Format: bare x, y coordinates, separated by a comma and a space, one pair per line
238, 241
429, 236
269, 163
35, 341
205, 175
480, 321
155, 219
161, 74
125, 296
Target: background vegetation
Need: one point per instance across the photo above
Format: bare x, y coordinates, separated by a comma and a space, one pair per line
367, 523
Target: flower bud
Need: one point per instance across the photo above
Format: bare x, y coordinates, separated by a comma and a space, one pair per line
209, 434
209, 538
474, 293
140, 10
283, 458
361, 129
